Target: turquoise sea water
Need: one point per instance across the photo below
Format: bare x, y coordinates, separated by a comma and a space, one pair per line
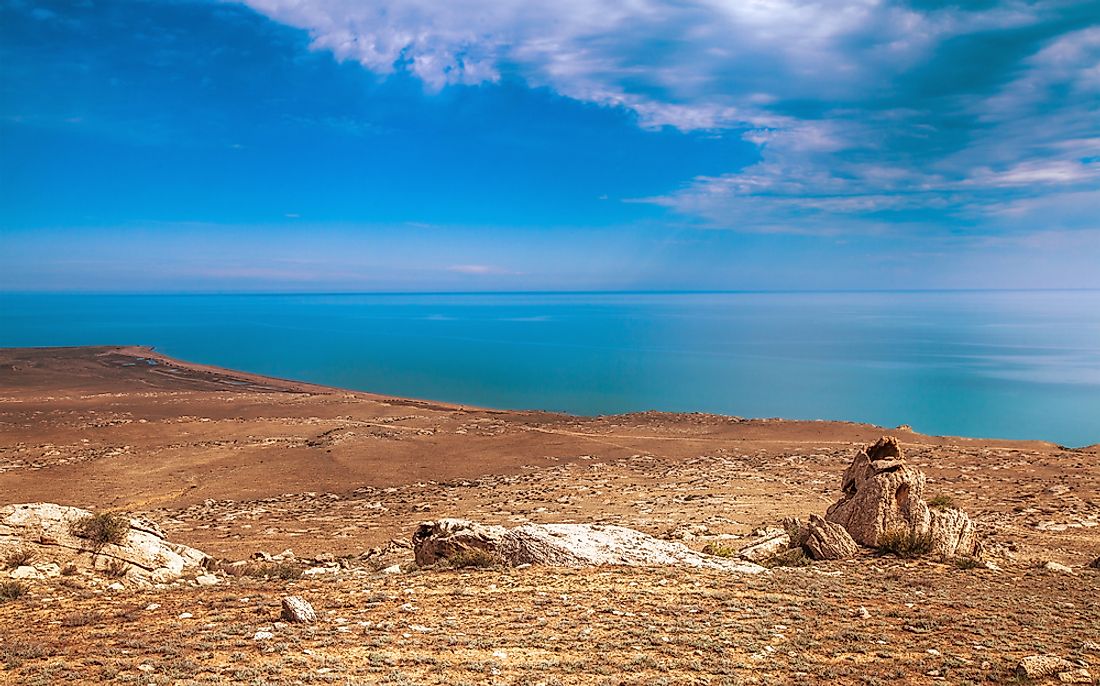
995, 364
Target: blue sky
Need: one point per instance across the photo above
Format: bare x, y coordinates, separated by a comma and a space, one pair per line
346, 145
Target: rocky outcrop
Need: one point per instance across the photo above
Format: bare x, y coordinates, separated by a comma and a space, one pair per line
884, 495
828, 541
566, 545
44, 531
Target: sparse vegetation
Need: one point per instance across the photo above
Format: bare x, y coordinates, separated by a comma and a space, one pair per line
116, 569
475, 558
967, 563
102, 528
719, 549
942, 502
11, 590
18, 558
793, 557
286, 571
905, 543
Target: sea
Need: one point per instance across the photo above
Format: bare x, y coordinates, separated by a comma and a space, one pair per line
998, 364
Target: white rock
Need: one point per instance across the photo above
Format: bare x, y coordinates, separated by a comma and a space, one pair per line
45, 530
262, 636
392, 569
565, 545
1056, 567
207, 580
25, 572
297, 609
185, 615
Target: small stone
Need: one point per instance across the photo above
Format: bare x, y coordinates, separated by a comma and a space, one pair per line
262, 636
146, 668
1056, 567
117, 586
392, 569
862, 613
152, 606
24, 572
185, 615
207, 580
296, 609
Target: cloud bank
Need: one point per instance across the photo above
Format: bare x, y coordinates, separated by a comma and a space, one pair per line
868, 115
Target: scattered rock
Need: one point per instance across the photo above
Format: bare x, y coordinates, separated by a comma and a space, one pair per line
297, 609
1075, 676
24, 572
1041, 666
392, 569
828, 541
1056, 567
207, 580
567, 545
262, 636
46, 530
771, 544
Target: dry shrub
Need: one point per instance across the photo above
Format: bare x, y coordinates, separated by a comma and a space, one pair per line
286, 571
18, 558
906, 543
103, 528
11, 590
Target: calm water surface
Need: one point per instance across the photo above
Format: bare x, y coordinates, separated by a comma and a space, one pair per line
996, 364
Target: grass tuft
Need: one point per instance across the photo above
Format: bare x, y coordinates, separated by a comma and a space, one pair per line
11, 590
942, 502
720, 550
967, 563
103, 528
905, 543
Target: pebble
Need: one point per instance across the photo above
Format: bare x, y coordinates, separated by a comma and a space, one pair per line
263, 636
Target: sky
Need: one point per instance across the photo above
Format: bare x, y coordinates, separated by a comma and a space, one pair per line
417, 145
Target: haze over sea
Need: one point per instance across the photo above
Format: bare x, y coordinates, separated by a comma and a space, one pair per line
1004, 364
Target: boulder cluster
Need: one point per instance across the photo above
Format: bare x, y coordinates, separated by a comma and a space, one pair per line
882, 504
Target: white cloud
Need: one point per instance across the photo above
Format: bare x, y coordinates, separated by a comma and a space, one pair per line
842, 97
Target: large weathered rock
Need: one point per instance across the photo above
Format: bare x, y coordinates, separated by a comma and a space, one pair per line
566, 545
45, 530
828, 541
882, 494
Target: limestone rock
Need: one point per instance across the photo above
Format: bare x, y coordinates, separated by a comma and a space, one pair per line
45, 530
1057, 567
297, 609
952, 533
1042, 666
884, 494
828, 541
771, 544
566, 545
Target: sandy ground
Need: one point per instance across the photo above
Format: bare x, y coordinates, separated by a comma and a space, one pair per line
234, 463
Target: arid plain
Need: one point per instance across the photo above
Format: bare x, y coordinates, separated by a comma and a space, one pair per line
234, 464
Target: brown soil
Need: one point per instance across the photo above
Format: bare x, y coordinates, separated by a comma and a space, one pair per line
234, 463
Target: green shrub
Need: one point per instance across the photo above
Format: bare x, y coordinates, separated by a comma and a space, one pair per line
942, 502
905, 543
475, 558
103, 528
719, 550
11, 590
792, 557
